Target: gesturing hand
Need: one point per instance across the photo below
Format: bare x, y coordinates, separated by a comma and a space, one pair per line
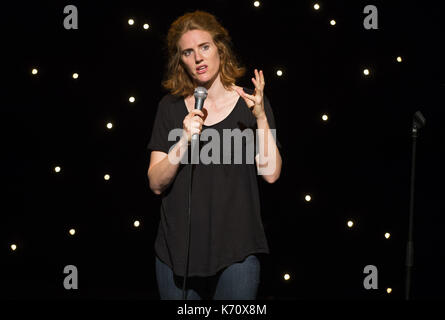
255, 102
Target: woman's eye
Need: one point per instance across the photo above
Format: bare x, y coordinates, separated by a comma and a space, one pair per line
206, 47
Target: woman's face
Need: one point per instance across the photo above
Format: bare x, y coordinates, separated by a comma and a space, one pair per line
199, 55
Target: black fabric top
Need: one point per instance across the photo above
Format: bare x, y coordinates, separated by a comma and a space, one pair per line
226, 221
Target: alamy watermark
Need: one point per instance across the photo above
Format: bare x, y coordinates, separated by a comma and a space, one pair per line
371, 280
71, 20
231, 140
371, 20
71, 280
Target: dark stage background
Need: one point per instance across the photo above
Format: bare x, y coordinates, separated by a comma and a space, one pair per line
355, 166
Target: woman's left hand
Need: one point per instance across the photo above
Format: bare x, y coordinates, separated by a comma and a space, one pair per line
255, 102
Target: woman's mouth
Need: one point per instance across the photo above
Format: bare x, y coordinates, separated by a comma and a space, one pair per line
202, 69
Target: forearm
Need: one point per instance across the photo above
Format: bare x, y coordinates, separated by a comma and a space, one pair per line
269, 158
162, 174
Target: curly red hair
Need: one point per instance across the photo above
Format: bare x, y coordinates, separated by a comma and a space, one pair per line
177, 80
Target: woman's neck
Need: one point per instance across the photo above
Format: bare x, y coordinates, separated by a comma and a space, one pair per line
215, 90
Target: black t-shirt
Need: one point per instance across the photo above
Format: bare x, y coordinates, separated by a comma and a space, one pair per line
226, 221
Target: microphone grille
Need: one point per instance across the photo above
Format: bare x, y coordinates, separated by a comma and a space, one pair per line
200, 92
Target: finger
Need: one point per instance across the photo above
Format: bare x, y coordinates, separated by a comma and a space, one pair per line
187, 124
196, 125
195, 112
196, 128
259, 80
255, 71
198, 119
248, 102
243, 95
193, 131
257, 84
249, 96
240, 91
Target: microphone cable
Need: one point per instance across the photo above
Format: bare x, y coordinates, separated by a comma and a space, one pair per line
200, 95
189, 227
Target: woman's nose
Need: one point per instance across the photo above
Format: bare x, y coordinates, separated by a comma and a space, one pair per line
198, 57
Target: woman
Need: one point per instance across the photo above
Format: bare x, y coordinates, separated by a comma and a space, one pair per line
226, 228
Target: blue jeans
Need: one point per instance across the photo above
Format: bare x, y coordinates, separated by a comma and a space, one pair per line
238, 281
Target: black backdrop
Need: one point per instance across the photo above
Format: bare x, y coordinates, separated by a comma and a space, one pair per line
355, 166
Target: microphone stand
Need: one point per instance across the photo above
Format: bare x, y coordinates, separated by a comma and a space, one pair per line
418, 122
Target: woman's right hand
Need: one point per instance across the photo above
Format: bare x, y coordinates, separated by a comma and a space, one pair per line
192, 123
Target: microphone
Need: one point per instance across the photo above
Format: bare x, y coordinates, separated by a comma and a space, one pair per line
200, 96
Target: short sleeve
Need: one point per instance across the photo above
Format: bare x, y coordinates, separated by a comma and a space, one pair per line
161, 126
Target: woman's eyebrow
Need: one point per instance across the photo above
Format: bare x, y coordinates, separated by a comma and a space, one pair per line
200, 45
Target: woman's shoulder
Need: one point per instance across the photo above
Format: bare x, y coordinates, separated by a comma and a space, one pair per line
171, 105
169, 100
